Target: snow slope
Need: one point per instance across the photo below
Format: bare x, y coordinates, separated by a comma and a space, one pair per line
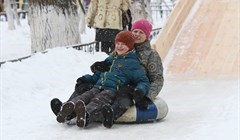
198, 109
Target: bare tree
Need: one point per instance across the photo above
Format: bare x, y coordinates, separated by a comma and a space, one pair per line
53, 23
14, 7
10, 14
141, 9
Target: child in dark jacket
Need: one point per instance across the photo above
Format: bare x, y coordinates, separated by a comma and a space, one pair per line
124, 69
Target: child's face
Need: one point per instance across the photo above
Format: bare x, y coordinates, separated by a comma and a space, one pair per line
121, 48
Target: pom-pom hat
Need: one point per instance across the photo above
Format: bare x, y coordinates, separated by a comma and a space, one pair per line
126, 37
143, 25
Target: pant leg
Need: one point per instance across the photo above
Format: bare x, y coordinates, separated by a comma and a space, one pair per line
97, 47
95, 107
80, 89
86, 96
122, 102
111, 46
105, 47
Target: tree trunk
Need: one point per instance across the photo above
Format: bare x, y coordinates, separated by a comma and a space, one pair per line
17, 18
53, 23
149, 11
10, 15
141, 9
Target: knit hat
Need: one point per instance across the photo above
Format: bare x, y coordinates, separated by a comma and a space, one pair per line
126, 37
143, 25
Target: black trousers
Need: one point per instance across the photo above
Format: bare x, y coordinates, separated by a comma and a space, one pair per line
107, 39
94, 100
123, 101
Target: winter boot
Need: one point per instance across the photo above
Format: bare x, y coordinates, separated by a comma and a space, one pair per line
56, 105
80, 110
66, 110
71, 116
108, 116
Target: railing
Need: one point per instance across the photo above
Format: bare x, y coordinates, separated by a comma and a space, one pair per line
88, 47
154, 33
21, 13
162, 8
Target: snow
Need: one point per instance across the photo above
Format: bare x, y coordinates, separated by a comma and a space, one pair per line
198, 110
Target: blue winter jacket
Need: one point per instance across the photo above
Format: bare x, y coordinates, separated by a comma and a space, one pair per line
124, 70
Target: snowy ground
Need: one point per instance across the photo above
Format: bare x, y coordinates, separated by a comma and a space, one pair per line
198, 110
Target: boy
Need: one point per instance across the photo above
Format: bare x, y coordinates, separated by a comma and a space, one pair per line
124, 69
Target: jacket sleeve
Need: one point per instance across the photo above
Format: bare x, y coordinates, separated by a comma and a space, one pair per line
140, 79
96, 76
92, 12
155, 74
125, 5
143, 84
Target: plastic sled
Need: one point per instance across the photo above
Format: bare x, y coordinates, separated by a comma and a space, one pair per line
156, 110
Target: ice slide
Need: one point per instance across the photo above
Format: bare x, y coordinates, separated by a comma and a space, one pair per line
200, 41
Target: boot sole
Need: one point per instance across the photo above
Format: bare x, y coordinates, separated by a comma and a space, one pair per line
81, 113
108, 117
66, 110
56, 105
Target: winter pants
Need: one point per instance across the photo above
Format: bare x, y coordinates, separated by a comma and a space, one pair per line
123, 101
80, 89
94, 100
107, 47
107, 39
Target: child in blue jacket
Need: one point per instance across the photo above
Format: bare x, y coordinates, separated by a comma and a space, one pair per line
125, 69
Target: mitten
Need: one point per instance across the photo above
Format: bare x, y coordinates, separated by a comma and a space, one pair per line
80, 81
143, 104
137, 95
99, 66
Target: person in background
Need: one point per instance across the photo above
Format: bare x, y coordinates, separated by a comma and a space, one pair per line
125, 68
106, 17
1, 5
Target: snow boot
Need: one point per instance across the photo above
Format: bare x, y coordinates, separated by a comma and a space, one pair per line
56, 105
80, 110
108, 116
66, 110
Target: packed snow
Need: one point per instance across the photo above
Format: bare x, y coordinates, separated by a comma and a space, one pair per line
198, 110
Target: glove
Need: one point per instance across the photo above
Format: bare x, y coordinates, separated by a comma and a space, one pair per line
80, 81
99, 66
143, 104
137, 95
80, 89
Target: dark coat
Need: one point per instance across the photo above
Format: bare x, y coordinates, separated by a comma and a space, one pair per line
152, 63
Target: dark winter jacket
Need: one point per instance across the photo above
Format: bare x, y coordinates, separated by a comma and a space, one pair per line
152, 64
123, 71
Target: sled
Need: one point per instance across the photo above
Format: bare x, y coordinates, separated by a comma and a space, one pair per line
156, 110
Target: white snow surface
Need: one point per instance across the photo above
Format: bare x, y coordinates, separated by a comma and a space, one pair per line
198, 110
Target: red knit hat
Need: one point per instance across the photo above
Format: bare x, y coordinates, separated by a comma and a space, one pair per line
143, 25
126, 37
